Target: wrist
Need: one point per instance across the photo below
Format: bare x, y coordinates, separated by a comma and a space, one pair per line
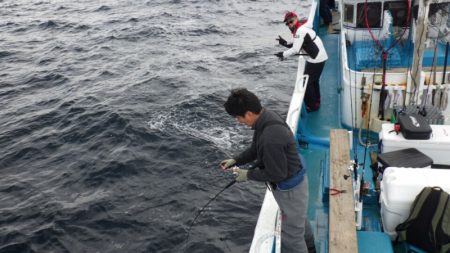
249, 174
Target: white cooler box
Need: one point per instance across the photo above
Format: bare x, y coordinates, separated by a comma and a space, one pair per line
399, 188
437, 147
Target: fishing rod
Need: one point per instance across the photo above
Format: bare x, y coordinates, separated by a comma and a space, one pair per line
353, 118
299, 54
203, 208
302, 54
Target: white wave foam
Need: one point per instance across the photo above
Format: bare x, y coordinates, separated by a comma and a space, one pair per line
224, 138
158, 123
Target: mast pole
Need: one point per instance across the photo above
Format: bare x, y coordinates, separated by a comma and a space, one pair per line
445, 63
383, 92
419, 48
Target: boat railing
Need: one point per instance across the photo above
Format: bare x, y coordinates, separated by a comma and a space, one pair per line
354, 78
298, 94
394, 77
268, 228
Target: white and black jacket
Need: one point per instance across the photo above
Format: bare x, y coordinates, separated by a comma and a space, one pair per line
306, 41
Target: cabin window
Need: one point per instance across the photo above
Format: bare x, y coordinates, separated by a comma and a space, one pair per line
373, 15
348, 13
399, 12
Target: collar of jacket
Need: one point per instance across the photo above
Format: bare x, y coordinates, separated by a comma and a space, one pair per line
297, 25
260, 121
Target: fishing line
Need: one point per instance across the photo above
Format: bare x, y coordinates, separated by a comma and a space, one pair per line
203, 208
367, 144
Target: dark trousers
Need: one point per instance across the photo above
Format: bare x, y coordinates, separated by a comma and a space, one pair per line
331, 4
312, 93
325, 12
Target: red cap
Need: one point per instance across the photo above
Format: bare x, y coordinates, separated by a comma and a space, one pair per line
288, 15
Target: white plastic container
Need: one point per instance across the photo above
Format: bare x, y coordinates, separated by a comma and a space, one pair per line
399, 188
437, 147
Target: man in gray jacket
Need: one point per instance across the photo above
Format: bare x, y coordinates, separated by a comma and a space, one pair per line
274, 152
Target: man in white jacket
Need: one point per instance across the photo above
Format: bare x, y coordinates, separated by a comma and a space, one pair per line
306, 42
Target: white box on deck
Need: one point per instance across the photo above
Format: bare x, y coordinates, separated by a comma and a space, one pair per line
437, 147
399, 188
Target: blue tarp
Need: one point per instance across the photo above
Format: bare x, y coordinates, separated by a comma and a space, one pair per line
366, 55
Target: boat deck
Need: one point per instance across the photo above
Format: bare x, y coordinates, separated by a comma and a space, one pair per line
313, 135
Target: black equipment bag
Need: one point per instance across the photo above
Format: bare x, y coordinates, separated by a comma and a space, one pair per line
414, 126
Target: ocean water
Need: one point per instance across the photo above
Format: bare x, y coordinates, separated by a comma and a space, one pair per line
112, 123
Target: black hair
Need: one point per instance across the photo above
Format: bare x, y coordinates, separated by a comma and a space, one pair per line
241, 101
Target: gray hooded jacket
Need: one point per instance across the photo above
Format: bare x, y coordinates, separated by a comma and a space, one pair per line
274, 149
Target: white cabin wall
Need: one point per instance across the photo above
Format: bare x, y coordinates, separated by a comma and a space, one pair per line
362, 34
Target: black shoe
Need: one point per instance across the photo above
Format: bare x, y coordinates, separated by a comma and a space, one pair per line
312, 109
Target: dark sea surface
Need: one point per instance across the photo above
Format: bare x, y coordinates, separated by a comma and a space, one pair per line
112, 123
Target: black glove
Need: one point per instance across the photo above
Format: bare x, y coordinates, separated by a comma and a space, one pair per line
280, 56
282, 41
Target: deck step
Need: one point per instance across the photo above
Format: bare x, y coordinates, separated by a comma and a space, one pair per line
342, 234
